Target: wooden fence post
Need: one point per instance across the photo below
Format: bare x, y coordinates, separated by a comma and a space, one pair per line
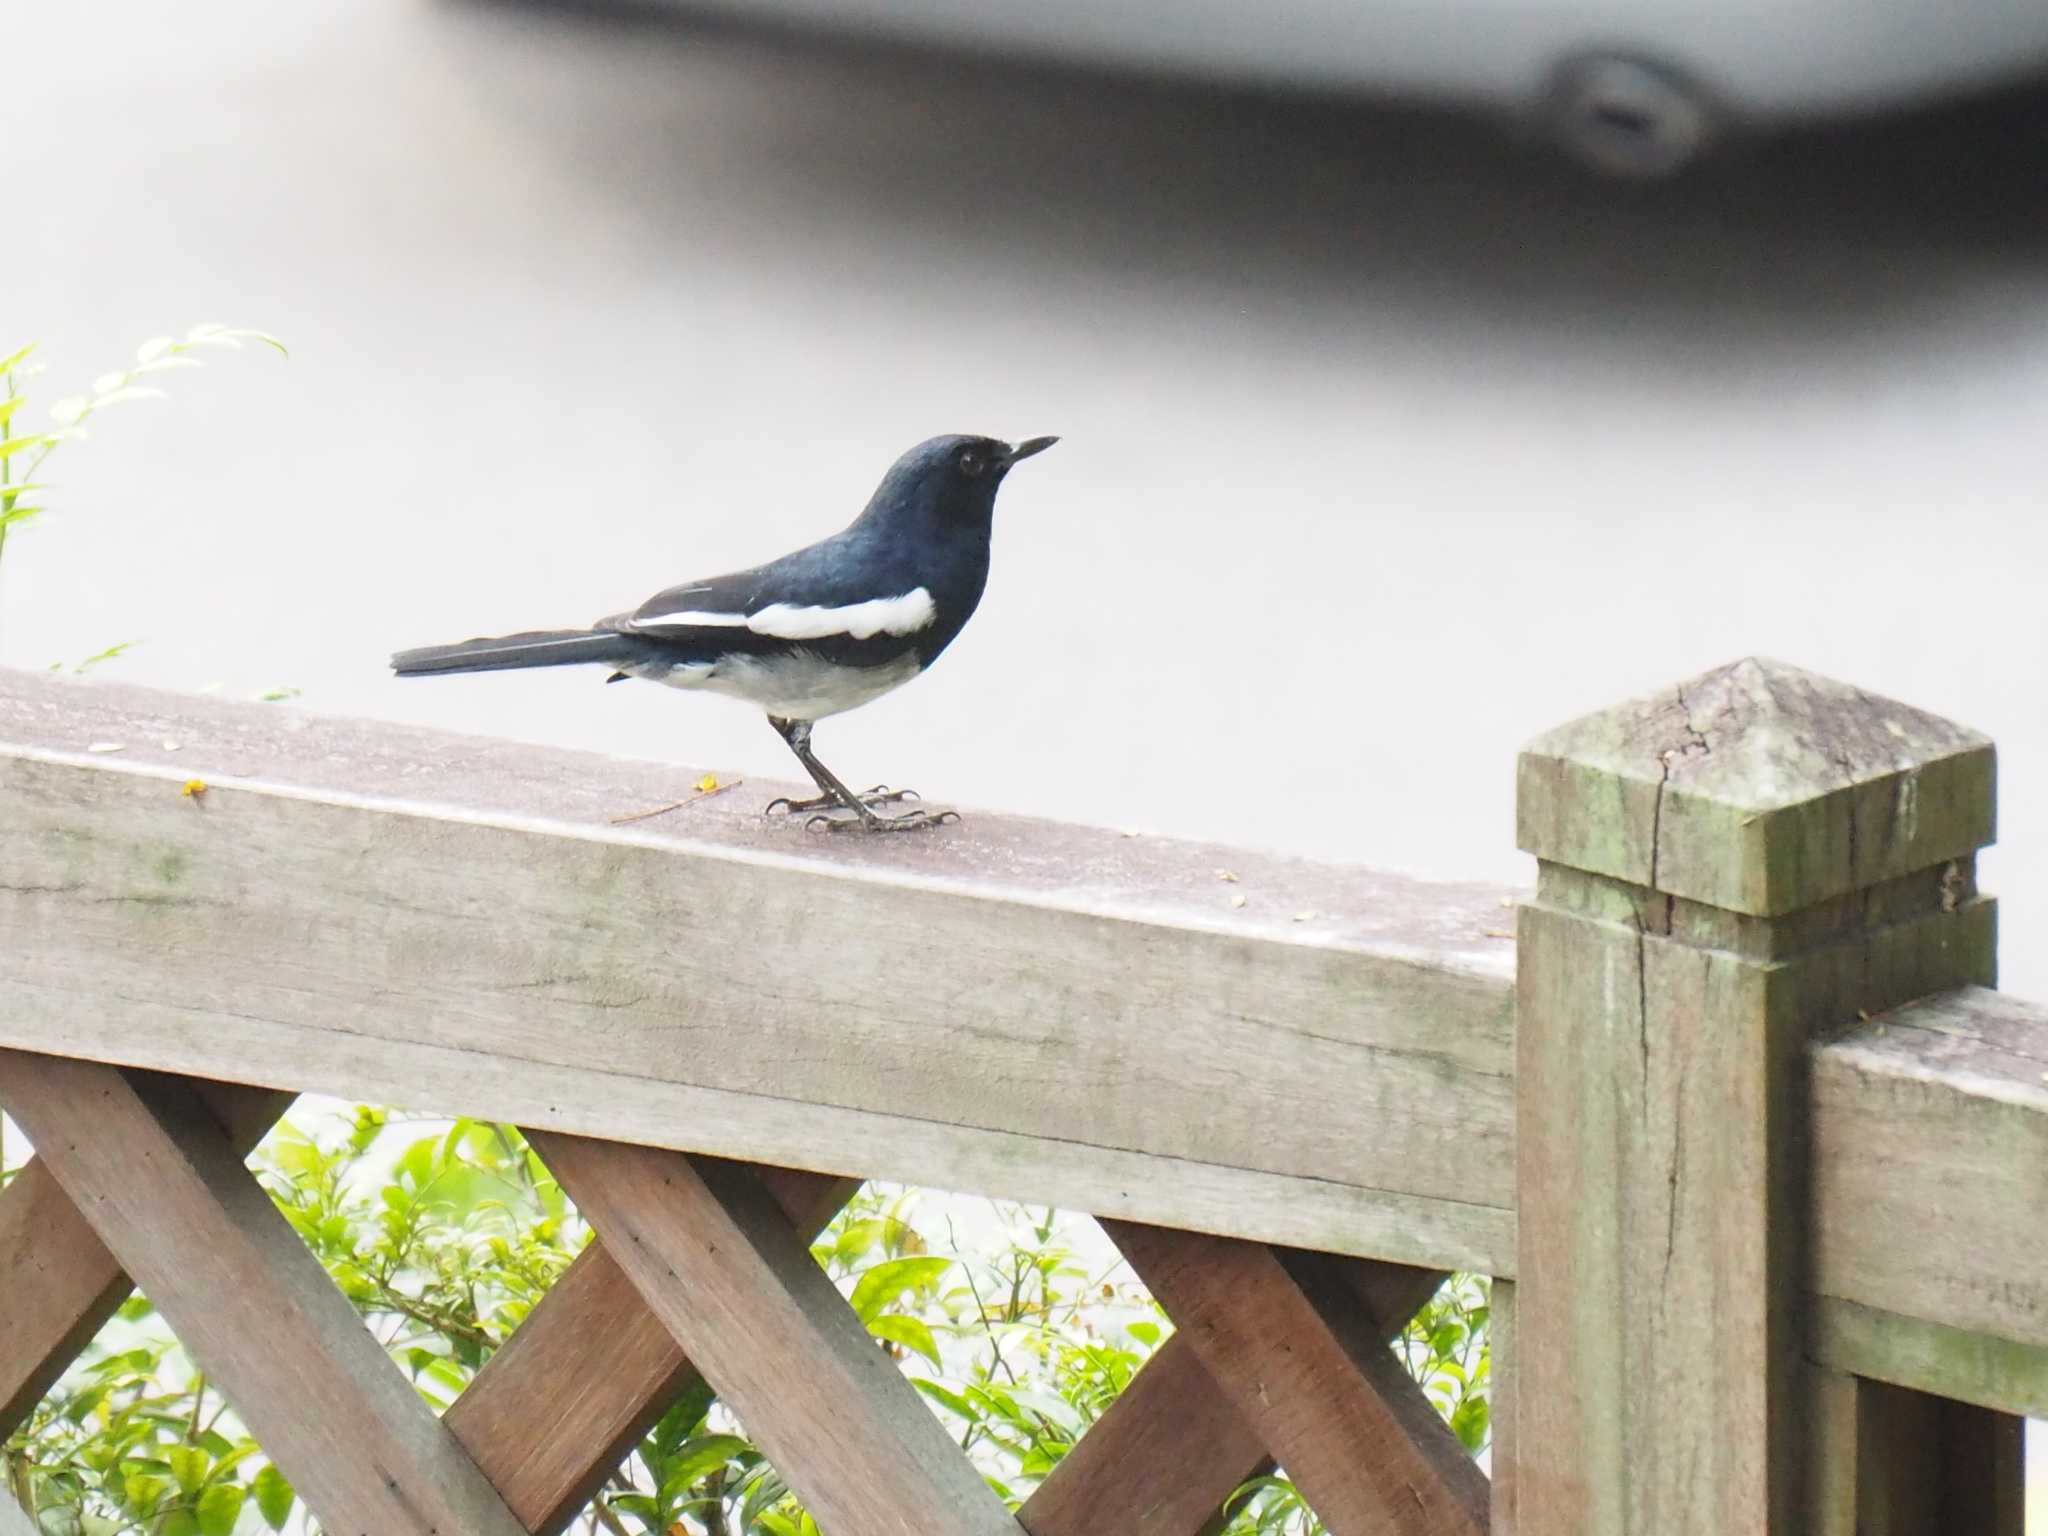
1727, 869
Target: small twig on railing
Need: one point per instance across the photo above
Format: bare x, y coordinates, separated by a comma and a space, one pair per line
676, 805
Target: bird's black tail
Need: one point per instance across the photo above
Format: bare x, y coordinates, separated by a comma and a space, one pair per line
537, 648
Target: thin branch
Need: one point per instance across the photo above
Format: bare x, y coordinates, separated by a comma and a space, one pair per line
987, 1327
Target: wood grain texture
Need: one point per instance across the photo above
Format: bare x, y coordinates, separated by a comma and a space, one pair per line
1503, 1409
1284, 1338
716, 1259
1970, 1367
1748, 859
757, 986
1161, 1462
1907, 1464
554, 1412
1931, 1137
1650, 1267
60, 1282
1172, 1448
167, 1193
1757, 788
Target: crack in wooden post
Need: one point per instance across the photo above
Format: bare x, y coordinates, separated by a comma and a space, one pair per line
1728, 870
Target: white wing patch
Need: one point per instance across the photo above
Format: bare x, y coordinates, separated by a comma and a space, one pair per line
878, 616
903, 615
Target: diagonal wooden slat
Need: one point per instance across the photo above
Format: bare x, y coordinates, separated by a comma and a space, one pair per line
1173, 1447
153, 1173
60, 1281
1285, 1337
1160, 1462
555, 1410
717, 1261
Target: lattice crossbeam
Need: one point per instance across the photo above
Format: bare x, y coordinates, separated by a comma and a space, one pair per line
60, 1281
698, 1263
1289, 1340
553, 1413
158, 1181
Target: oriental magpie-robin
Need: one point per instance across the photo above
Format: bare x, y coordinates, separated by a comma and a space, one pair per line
823, 630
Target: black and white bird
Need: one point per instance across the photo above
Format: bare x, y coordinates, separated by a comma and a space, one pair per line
823, 630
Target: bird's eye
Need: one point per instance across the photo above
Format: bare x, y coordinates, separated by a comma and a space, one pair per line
972, 463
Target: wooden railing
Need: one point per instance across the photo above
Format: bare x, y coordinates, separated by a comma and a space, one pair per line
1760, 1164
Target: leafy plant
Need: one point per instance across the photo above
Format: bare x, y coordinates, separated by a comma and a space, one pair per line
1020, 1335
23, 454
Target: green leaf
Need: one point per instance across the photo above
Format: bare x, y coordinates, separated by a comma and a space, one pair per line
912, 1333
219, 1508
946, 1397
143, 1489
639, 1506
17, 514
10, 405
695, 1459
10, 446
13, 359
109, 654
857, 1237
189, 1465
179, 1522
130, 392
882, 1283
274, 1497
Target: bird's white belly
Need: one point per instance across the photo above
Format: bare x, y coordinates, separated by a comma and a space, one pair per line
796, 685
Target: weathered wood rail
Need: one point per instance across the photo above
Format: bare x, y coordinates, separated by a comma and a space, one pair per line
1759, 1160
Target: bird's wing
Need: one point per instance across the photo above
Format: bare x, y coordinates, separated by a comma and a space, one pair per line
814, 595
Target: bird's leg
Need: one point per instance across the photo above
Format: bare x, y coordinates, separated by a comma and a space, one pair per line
837, 797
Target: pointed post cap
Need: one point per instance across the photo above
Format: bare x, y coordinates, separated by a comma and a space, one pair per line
1757, 788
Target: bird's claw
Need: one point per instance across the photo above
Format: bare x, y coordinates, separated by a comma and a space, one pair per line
881, 794
909, 821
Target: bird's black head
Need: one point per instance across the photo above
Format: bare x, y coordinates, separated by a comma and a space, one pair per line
950, 483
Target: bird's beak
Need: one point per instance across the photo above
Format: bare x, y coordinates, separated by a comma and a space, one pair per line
1029, 446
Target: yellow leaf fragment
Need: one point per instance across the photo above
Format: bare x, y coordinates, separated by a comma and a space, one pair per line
193, 789
1226, 875
707, 784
